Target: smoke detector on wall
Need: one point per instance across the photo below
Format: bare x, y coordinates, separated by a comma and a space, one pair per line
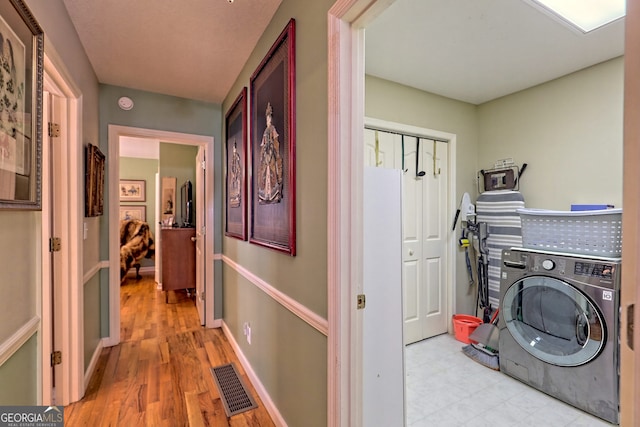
125, 103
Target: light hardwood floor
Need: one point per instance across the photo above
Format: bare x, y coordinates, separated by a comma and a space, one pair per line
159, 375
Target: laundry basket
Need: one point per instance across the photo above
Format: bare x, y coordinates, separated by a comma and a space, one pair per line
597, 232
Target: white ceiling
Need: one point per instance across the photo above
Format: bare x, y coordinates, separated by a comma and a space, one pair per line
188, 48
471, 50
479, 50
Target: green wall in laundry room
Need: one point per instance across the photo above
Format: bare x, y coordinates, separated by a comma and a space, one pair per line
568, 131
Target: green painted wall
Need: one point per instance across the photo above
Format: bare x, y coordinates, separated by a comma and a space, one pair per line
92, 333
144, 169
569, 132
20, 273
393, 102
570, 124
179, 161
18, 376
288, 355
167, 113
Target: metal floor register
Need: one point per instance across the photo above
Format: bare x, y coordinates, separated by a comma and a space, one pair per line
233, 392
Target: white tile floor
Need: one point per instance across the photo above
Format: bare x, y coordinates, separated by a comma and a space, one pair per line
446, 388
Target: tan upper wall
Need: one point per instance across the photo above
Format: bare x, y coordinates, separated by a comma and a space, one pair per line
568, 131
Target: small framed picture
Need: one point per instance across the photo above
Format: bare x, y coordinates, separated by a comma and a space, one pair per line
168, 199
132, 190
94, 181
133, 212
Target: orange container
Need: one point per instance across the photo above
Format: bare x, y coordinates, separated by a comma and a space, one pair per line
464, 325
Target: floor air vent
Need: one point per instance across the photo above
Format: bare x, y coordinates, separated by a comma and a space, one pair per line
233, 392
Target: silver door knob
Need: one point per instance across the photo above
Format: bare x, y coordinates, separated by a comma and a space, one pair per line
194, 238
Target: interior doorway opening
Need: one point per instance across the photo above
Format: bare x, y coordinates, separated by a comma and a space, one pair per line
205, 143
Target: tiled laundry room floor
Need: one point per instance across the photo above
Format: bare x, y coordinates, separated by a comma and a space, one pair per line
446, 388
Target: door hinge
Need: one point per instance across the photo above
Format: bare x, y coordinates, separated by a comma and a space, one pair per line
54, 130
203, 165
55, 244
361, 301
56, 358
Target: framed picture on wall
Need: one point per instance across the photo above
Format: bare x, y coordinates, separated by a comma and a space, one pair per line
273, 154
22, 43
236, 181
168, 200
133, 212
132, 190
94, 181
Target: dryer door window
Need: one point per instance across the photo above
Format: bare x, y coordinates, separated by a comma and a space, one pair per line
553, 321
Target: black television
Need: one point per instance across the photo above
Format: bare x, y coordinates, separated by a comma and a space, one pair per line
186, 206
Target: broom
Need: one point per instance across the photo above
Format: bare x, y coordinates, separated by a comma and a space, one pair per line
482, 352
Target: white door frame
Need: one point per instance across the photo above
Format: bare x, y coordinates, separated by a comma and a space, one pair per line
70, 384
115, 132
346, 20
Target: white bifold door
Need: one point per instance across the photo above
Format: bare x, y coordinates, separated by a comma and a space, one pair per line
425, 226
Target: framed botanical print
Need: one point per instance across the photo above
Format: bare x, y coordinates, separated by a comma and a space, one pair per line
132, 190
236, 182
273, 154
21, 56
133, 212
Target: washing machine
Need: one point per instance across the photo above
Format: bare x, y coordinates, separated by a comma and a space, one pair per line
559, 326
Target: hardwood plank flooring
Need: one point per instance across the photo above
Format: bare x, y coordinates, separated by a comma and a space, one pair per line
159, 375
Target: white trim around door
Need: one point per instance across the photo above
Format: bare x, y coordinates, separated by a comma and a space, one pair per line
115, 132
69, 210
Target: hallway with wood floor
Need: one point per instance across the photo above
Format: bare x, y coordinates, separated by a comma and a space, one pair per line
159, 375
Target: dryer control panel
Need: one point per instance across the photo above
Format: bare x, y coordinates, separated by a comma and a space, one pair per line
602, 271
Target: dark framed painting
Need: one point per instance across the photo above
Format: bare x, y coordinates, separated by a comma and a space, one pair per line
22, 50
236, 145
94, 181
273, 154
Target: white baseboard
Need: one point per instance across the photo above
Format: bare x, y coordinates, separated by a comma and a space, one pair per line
93, 363
255, 381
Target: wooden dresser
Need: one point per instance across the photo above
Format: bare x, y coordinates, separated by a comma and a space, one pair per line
178, 259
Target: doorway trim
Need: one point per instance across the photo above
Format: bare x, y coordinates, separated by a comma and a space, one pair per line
115, 132
70, 387
345, 164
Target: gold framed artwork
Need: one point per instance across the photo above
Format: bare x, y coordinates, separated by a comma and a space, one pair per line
132, 190
22, 50
133, 212
94, 181
168, 200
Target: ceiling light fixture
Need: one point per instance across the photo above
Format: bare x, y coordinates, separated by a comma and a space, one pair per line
586, 15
